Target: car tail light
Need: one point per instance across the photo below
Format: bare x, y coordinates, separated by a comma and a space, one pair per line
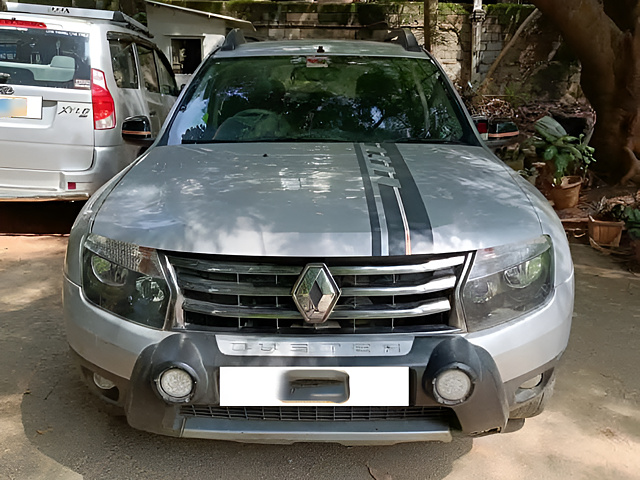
482, 124
104, 110
5, 22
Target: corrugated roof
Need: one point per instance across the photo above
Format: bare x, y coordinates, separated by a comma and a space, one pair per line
235, 21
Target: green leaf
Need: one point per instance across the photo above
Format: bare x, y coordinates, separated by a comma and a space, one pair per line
549, 129
562, 165
550, 152
632, 215
574, 151
634, 233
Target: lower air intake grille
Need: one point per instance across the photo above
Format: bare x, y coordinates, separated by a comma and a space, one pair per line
315, 414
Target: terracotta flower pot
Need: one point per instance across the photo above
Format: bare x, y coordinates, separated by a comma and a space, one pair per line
605, 233
566, 194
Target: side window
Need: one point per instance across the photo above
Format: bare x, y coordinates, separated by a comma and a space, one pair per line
125, 72
167, 80
148, 69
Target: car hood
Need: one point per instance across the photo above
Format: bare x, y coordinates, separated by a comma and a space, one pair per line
318, 200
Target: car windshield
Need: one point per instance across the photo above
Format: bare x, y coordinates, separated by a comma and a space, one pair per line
44, 57
319, 98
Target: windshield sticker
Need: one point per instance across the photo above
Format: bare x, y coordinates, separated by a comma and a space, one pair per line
66, 33
317, 62
83, 84
8, 52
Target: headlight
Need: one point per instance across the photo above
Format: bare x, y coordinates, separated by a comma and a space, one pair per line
125, 279
507, 282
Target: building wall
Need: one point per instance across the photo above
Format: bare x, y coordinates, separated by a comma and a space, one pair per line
165, 23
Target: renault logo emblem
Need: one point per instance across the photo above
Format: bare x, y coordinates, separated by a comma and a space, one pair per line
6, 90
315, 293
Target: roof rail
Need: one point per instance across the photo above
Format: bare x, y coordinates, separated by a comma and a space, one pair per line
404, 37
234, 38
87, 13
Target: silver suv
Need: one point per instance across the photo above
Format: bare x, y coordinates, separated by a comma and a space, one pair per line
80, 91
319, 247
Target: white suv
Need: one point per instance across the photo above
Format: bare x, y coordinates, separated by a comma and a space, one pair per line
80, 91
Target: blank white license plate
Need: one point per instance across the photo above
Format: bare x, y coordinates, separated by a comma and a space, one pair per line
20, 107
314, 386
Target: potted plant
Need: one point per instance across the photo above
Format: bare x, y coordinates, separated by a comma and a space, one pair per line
632, 222
606, 223
570, 158
530, 175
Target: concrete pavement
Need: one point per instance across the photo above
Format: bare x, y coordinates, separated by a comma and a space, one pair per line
52, 428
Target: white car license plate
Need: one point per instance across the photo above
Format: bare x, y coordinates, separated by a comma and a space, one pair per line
314, 386
21, 107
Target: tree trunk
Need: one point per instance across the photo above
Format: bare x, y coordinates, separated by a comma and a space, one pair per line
427, 25
610, 76
616, 107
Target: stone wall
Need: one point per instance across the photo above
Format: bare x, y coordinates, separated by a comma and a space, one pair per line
451, 40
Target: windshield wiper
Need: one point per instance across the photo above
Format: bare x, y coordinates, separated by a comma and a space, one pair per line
440, 141
266, 140
196, 142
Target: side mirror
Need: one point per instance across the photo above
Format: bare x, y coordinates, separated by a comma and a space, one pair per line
501, 132
496, 132
501, 129
137, 130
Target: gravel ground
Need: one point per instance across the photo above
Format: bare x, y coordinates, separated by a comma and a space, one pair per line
52, 428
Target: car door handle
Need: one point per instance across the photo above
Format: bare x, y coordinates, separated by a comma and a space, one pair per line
152, 113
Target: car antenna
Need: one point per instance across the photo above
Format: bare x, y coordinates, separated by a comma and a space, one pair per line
234, 38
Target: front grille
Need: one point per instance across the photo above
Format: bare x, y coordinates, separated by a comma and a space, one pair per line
316, 414
382, 297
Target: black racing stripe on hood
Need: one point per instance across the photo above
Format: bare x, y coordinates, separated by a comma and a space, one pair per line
414, 207
393, 216
374, 219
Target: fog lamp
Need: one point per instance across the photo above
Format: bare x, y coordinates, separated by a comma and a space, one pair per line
452, 385
103, 383
175, 385
533, 382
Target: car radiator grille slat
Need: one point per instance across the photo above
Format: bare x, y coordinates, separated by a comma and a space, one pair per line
315, 414
381, 297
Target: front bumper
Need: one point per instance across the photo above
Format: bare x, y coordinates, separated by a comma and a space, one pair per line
484, 411
132, 357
